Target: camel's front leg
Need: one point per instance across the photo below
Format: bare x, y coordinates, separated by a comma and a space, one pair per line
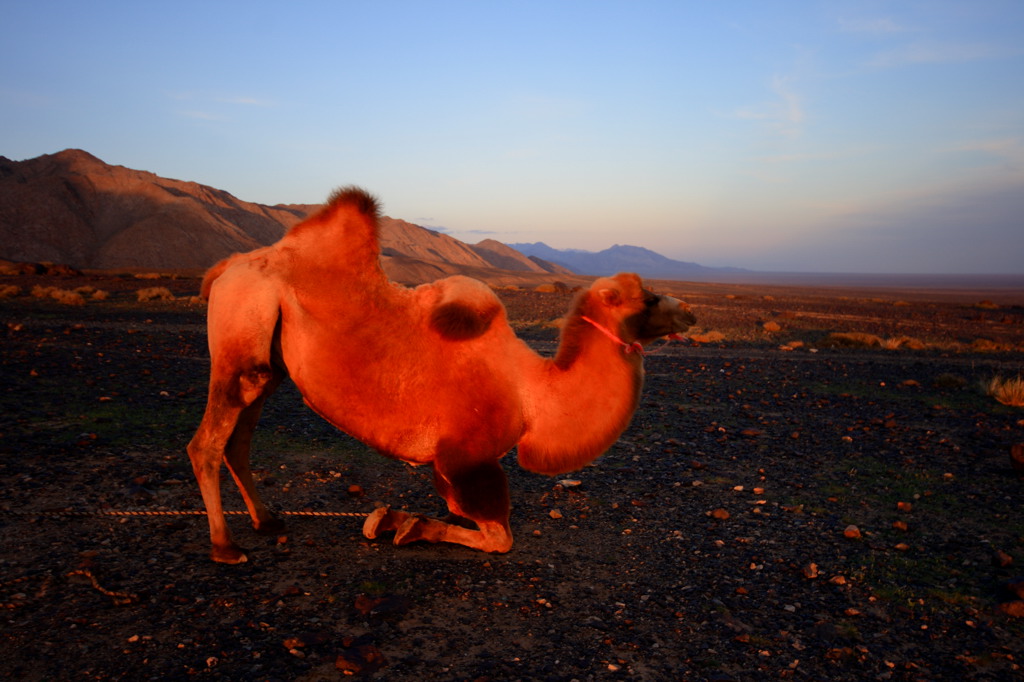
478, 493
491, 537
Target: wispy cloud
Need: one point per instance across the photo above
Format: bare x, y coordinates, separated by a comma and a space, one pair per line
875, 27
202, 115
212, 107
785, 115
939, 53
246, 101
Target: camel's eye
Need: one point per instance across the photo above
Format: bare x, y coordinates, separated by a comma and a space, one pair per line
650, 300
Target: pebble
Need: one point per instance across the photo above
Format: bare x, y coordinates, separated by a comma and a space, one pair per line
1001, 559
555, 514
1016, 587
719, 514
852, 532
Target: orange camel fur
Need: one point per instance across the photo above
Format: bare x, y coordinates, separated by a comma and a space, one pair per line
431, 375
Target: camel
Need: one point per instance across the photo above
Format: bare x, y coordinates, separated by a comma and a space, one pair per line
427, 375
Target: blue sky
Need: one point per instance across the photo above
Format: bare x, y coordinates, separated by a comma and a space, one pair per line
833, 135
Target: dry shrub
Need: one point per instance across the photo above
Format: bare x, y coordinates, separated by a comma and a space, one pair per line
851, 340
901, 303
707, 337
100, 295
988, 305
771, 327
148, 275
39, 291
985, 345
154, 294
65, 296
9, 290
546, 289
908, 342
1007, 391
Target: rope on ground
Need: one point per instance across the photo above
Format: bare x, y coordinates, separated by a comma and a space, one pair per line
20, 599
168, 512
120, 598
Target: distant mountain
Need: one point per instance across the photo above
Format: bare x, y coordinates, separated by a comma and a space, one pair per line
621, 258
73, 208
504, 257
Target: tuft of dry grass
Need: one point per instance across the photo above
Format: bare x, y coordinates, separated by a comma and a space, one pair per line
9, 291
865, 340
707, 337
154, 294
851, 340
65, 296
1007, 391
897, 342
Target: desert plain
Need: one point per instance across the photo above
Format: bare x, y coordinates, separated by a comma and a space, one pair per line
817, 486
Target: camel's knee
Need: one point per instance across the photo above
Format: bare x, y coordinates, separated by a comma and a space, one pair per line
253, 382
479, 492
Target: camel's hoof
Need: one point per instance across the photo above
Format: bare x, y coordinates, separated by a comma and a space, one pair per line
272, 526
371, 526
404, 534
228, 555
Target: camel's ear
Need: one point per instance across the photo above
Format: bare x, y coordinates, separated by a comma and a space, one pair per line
610, 297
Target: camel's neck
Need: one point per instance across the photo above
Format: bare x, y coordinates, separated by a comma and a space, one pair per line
580, 401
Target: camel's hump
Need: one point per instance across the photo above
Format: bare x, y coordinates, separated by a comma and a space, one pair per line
465, 308
356, 197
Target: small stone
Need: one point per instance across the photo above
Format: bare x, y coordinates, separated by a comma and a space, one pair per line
811, 571
569, 483
904, 506
719, 514
852, 532
902, 546
1014, 609
355, 491
900, 525
1017, 458
1016, 587
1001, 559
838, 580
555, 514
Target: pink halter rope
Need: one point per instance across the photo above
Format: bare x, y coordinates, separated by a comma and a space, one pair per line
634, 347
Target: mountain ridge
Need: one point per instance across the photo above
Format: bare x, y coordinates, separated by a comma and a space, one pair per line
620, 257
73, 208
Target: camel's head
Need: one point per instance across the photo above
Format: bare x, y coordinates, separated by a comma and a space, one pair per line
640, 314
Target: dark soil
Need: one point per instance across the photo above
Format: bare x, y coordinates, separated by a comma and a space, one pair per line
713, 541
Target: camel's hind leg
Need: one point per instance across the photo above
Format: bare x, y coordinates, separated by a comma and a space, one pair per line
477, 493
225, 435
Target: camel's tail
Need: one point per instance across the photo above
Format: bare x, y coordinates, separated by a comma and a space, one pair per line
214, 272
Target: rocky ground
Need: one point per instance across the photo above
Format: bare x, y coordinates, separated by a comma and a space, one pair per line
828, 511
